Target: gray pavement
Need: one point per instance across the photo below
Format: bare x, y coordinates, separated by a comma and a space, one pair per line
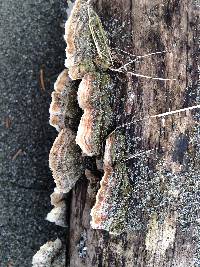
31, 51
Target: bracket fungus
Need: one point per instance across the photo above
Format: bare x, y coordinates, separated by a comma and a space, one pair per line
94, 97
65, 161
58, 214
80, 47
64, 110
51, 254
65, 156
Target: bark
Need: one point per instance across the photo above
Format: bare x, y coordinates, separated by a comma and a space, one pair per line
163, 209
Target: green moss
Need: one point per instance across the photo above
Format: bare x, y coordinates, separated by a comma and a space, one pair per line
103, 113
100, 40
122, 197
118, 151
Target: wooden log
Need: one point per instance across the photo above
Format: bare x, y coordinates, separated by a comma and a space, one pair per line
160, 149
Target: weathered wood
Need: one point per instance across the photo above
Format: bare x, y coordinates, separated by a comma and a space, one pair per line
164, 219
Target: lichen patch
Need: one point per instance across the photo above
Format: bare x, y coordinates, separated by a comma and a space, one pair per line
160, 236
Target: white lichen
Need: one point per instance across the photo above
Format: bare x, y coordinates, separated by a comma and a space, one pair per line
160, 236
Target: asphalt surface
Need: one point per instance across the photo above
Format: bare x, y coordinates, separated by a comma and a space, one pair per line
31, 51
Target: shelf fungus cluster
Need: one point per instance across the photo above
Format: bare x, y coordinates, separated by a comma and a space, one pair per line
145, 161
88, 84
65, 156
94, 97
88, 58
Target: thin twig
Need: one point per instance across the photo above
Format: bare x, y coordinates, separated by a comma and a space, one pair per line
7, 122
42, 82
139, 57
17, 154
149, 77
174, 112
161, 115
142, 76
136, 56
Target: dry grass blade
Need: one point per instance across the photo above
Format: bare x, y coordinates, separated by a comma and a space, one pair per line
17, 154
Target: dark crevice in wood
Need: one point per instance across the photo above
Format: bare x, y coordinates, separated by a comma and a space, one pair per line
68, 214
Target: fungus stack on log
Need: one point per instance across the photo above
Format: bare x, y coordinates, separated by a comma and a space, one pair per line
151, 157
65, 156
127, 161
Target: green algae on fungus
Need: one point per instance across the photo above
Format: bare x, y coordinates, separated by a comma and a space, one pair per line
100, 39
65, 161
95, 98
80, 50
87, 43
64, 110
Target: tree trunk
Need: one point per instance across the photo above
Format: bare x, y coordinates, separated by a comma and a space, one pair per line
161, 151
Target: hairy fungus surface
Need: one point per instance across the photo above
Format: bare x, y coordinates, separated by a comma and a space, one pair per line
65, 160
94, 97
50, 254
65, 155
64, 110
80, 47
